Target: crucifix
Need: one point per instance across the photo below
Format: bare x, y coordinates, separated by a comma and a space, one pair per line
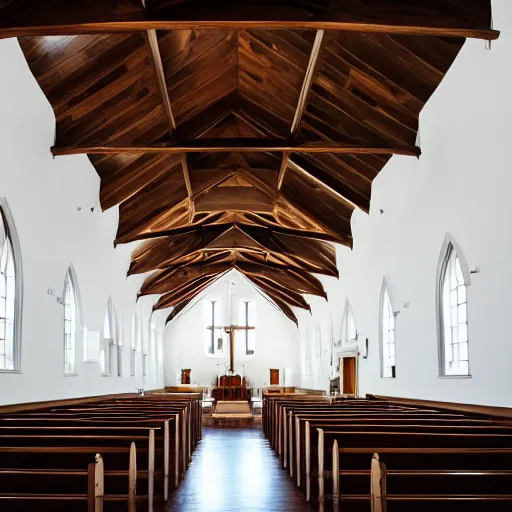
231, 329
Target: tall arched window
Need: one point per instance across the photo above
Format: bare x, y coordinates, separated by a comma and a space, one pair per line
213, 328
387, 332
71, 304
246, 331
145, 349
134, 343
348, 326
109, 339
453, 311
10, 292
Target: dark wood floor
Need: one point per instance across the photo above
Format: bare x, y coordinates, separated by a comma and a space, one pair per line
234, 470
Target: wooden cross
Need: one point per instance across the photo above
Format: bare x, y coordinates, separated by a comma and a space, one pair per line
231, 329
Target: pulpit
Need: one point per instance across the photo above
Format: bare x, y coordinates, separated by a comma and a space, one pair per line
230, 387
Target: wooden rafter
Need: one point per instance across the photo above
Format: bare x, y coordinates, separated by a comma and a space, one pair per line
156, 60
303, 97
332, 189
243, 146
283, 136
349, 16
308, 80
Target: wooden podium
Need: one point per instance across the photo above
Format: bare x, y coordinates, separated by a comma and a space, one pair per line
231, 387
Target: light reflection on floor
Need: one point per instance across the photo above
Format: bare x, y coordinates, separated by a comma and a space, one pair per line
235, 470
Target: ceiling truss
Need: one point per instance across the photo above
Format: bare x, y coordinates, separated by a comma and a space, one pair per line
241, 135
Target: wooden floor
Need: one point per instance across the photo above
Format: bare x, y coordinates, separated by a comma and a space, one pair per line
235, 470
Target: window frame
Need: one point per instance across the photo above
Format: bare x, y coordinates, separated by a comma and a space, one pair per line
386, 291
11, 233
348, 314
72, 278
213, 339
109, 343
248, 303
134, 344
450, 246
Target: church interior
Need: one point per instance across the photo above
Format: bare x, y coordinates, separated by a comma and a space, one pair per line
254, 255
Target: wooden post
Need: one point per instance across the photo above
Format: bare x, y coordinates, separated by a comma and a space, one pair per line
335, 476
177, 452
151, 469
184, 439
290, 454
166, 460
308, 462
378, 485
279, 416
132, 479
91, 486
321, 475
99, 491
297, 448
285, 439
189, 417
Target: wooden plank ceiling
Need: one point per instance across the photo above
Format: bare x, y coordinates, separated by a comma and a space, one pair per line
239, 134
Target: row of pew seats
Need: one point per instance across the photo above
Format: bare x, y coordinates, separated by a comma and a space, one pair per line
118, 454
357, 455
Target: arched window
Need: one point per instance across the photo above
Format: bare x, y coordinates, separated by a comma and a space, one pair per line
134, 343
109, 339
453, 311
145, 349
119, 345
71, 302
247, 326
348, 326
159, 353
387, 332
10, 292
213, 329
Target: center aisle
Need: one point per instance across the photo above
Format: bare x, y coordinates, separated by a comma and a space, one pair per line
235, 470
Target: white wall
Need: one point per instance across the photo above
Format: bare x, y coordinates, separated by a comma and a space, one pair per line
460, 185
44, 196
276, 339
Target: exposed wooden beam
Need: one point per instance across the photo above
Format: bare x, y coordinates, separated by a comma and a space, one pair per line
358, 204
308, 79
243, 146
156, 60
158, 67
303, 98
36, 18
282, 170
186, 175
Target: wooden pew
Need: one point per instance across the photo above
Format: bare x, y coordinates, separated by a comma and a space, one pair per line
435, 460
69, 432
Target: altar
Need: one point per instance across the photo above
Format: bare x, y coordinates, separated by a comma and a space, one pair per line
231, 387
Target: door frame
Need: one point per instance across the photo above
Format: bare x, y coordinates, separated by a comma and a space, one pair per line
351, 352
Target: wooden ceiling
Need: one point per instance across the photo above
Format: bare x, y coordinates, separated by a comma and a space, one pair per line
239, 134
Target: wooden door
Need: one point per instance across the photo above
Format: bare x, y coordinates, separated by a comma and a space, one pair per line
274, 377
349, 370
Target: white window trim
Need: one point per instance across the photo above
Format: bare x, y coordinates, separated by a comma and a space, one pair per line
18, 302
347, 312
216, 353
71, 272
385, 286
109, 343
134, 343
449, 244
